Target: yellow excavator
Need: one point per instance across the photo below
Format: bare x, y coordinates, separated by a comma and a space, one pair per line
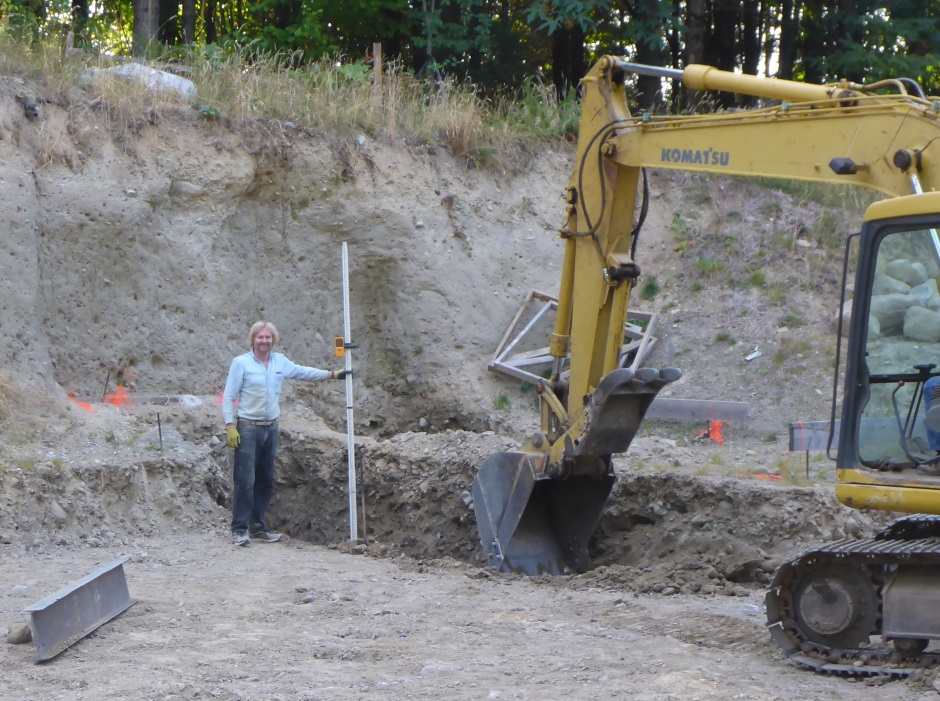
537, 507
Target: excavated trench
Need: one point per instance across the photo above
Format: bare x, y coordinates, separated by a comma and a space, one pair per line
658, 532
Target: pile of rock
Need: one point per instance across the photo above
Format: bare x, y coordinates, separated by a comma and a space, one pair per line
905, 302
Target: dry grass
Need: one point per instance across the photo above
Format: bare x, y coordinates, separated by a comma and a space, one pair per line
12, 402
329, 96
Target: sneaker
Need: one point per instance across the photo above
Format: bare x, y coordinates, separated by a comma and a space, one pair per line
240, 539
266, 536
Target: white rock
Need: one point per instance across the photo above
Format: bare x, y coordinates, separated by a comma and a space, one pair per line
156, 81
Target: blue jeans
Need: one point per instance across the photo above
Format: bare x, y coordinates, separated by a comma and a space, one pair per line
253, 476
933, 437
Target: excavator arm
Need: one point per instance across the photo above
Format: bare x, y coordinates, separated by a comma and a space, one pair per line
537, 507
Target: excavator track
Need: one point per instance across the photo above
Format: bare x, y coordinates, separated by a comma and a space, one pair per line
823, 605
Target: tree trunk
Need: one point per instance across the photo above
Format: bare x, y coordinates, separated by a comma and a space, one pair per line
750, 43
649, 51
168, 32
146, 22
189, 22
726, 24
568, 62
208, 21
789, 37
694, 46
815, 39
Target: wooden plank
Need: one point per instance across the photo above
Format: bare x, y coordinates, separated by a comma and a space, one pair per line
512, 325
697, 410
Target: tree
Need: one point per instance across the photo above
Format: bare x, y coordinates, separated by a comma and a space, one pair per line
146, 24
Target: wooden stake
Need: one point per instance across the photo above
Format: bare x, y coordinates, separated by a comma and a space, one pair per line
377, 67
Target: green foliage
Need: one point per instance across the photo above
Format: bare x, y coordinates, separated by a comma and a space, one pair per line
280, 27
708, 265
207, 112
683, 233
500, 402
725, 337
551, 16
536, 109
791, 321
649, 290
475, 40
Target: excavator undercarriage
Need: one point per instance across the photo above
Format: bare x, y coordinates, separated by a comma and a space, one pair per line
824, 606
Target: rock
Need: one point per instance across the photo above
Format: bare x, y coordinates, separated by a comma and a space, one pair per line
184, 188
156, 81
309, 599
58, 513
890, 310
883, 285
922, 325
911, 272
926, 294
19, 634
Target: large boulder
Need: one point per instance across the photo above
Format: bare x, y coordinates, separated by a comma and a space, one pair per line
890, 310
922, 325
885, 284
911, 272
926, 294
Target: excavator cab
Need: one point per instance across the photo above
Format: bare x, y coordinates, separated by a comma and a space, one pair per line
887, 452
827, 607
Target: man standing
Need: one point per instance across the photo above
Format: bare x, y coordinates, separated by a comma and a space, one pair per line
254, 381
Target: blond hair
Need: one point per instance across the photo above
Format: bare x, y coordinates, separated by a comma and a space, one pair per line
257, 327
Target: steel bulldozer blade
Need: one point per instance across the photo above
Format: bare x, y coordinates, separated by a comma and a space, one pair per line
534, 525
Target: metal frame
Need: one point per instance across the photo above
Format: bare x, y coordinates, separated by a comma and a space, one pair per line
514, 364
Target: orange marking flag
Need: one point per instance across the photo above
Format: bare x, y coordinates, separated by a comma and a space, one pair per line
118, 398
84, 405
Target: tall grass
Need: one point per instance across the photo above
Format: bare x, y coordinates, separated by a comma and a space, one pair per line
242, 86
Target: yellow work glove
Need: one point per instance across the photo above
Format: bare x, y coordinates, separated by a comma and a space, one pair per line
233, 438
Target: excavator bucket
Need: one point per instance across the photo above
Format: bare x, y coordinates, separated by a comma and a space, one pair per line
533, 524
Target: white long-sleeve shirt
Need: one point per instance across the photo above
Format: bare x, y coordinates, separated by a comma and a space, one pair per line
257, 388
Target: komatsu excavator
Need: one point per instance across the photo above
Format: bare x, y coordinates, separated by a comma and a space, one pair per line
853, 606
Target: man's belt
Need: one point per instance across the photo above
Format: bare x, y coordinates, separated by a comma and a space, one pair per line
258, 423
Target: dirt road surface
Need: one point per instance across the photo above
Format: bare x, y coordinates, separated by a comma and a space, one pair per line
296, 621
